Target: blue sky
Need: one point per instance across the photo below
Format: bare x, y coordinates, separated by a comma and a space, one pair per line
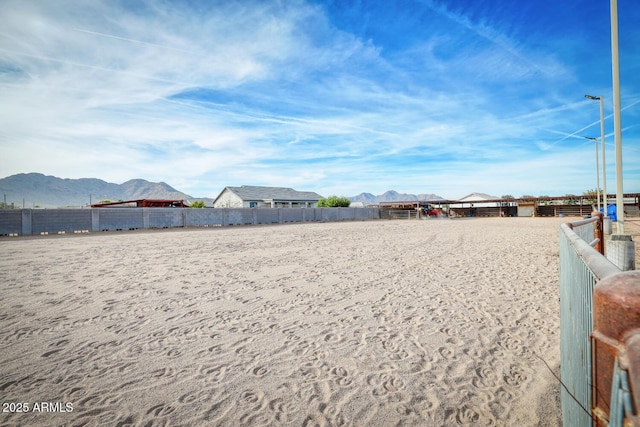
338, 97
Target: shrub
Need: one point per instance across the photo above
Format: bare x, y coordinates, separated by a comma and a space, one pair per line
334, 202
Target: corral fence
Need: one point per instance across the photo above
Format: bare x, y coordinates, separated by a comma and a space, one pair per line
566, 210
400, 213
391, 213
599, 331
61, 221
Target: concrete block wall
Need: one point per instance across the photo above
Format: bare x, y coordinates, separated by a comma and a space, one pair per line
57, 220
11, 222
110, 219
363, 214
53, 221
330, 214
166, 218
291, 215
311, 214
204, 217
267, 216
239, 216
346, 213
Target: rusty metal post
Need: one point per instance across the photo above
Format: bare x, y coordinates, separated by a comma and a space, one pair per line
616, 323
633, 358
598, 232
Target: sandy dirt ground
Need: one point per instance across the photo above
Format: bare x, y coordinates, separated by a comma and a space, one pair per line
375, 323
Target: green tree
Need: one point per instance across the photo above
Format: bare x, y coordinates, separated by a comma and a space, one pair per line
589, 197
334, 202
197, 204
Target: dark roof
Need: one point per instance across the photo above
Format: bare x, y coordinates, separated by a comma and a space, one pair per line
250, 192
143, 203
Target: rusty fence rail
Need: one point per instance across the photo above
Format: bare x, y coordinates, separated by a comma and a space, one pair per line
582, 268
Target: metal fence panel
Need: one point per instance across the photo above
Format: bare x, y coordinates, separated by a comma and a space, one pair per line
576, 285
581, 266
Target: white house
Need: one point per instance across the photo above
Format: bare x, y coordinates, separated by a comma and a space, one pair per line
248, 196
477, 200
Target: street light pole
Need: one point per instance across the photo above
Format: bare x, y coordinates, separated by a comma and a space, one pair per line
597, 173
605, 202
617, 125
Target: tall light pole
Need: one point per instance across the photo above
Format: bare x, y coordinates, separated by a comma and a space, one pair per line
597, 173
604, 162
617, 125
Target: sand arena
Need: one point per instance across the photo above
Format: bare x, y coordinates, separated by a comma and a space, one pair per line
375, 323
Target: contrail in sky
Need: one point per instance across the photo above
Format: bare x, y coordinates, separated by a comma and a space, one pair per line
576, 133
133, 40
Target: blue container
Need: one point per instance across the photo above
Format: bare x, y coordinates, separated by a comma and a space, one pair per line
611, 212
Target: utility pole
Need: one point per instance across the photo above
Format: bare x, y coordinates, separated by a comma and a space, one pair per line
617, 124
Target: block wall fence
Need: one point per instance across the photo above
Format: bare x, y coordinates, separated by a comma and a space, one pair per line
24, 222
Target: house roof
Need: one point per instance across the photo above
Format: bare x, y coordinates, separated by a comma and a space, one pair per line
478, 197
250, 192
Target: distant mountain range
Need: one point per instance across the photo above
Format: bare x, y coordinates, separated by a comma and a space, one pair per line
36, 189
392, 196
